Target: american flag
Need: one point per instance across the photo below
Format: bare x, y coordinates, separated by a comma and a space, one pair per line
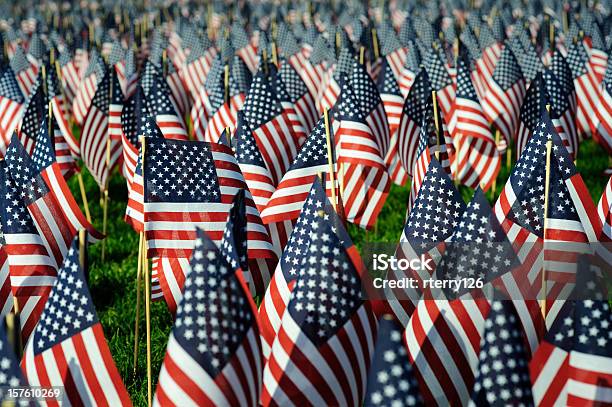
51, 147
393, 102
365, 180
205, 182
440, 81
572, 219
283, 281
271, 125
252, 165
25, 72
371, 103
32, 271
590, 360
333, 77
100, 147
411, 68
432, 142
213, 356
491, 52
603, 113
587, 85
598, 50
391, 379
223, 112
550, 364
55, 213
60, 111
435, 214
198, 65
161, 103
295, 72
69, 75
11, 375
324, 345
535, 100
68, 347
444, 332
392, 50
287, 200
135, 122
295, 95
562, 110
94, 73
178, 89
414, 110
34, 114
11, 107
116, 59
314, 67
504, 98
604, 209
503, 376
477, 159
243, 46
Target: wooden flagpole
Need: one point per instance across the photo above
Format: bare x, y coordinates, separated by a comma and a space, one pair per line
546, 192
108, 171
330, 158
362, 55
545, 226
436, 123
494, 184
226, 78
375, 43
138, 294
147, 277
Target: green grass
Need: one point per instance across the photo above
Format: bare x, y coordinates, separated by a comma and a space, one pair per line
113, 282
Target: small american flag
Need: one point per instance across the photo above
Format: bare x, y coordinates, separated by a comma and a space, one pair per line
68, 347
55, 213
69, 75
287, 200
360, 159
590, 360
603, 113
562, 109
32, 271
25, 72
11, 375
333, 77
243, 46
432, 219
296, 100
504, 98
102, 127
587, 86
51, 146
477, 160
324, 345
572, 217
502, 377
550, 371
91, 75
440, 81
413, 112
283, 281
162, 104
213, 355
604, 209
271, 126
11, 107
535, 101
411, 68
313, 68
34, 114
60, 112
251, 163
198, 65
391, 379
205, 182
393, 102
